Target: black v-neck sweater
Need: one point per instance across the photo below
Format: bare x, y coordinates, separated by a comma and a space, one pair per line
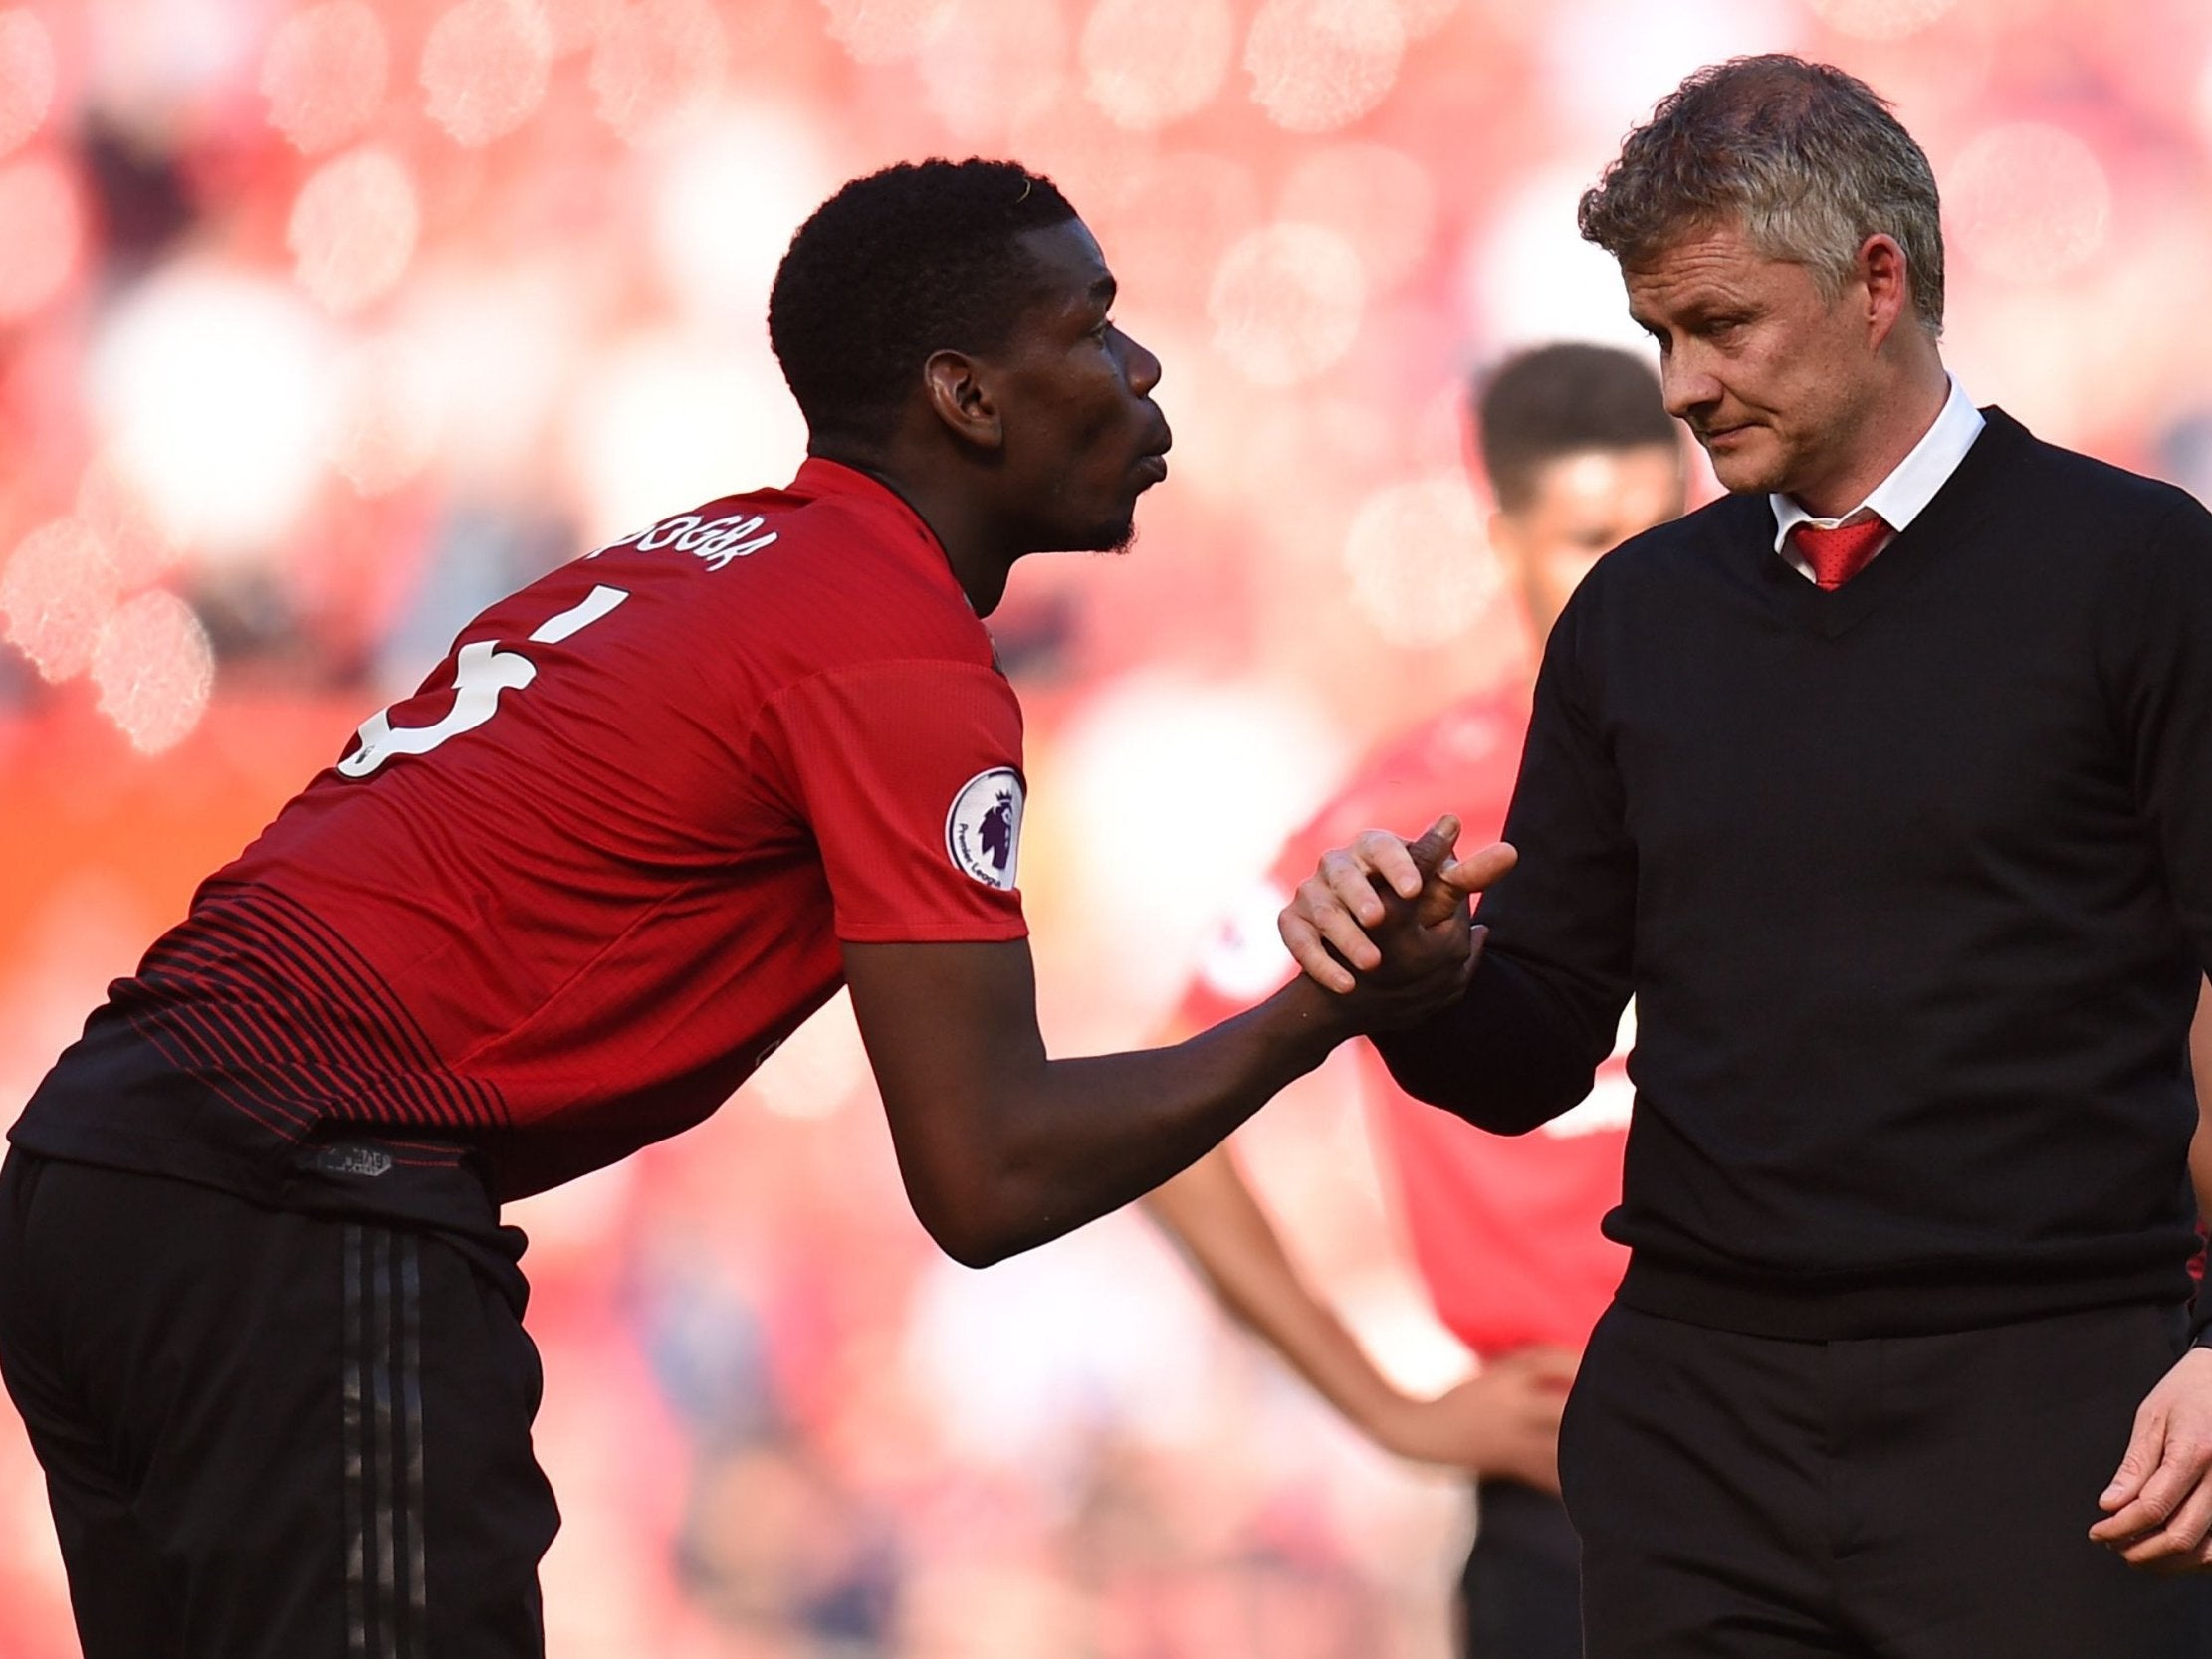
1911, 882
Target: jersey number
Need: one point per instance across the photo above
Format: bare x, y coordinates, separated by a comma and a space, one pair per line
479, 673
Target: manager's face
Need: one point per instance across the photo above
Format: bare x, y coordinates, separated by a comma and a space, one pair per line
1774, 377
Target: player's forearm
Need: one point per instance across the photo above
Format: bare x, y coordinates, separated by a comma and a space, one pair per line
1076, 1138
1002, 1148
1214, 1215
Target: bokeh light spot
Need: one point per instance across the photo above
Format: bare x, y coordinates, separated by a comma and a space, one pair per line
1423, 18
726, 199
326, 74
485, 68
26, 76
118, 515
1603, 64
819, 1067
1146, 63
1879, 20
1317, 65
502, 344
1244, 757
1420, 563
354, 227
884, 31
213, 386
1286, 303
2204, 99
55, 590
154, 669
1379, 200
1183, 210
992, 64
1095, 164
2028, 202
391, 414
579, 23
42, 234
1528, 277
665, 417
657, 64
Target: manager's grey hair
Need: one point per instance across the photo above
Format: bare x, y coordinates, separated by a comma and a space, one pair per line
1806, 159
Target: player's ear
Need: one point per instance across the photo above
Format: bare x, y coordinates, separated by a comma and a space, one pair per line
959, 397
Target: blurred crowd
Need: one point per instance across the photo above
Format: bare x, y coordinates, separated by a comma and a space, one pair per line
324, 324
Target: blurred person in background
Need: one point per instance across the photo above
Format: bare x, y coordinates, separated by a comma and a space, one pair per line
1885, 786
256, 1304
1580, 454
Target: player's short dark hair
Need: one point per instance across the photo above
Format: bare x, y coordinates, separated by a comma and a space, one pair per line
916, 259
1541, 405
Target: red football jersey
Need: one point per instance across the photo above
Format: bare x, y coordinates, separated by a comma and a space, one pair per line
562, 899
1505, 1230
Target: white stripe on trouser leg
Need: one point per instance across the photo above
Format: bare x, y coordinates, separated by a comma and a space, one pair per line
382, 1445
354, 1453
381, 1394
411, 1360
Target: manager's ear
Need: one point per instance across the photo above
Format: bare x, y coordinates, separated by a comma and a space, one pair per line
959, 397
1884, 272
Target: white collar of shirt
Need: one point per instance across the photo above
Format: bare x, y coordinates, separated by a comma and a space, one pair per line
1899, 497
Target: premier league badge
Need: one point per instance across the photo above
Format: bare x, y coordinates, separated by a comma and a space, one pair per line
982, 831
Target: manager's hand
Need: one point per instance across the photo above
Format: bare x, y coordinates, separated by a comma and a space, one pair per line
2159, 1505
1332, 923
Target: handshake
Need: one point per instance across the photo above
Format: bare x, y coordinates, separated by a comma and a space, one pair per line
1386, 923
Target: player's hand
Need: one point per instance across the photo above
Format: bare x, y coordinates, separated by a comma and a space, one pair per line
1423, 944
2158, 1509
1503, 1422
1342, 914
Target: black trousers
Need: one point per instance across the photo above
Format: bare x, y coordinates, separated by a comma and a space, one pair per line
1520, 1595
1901, 1498
269, 1435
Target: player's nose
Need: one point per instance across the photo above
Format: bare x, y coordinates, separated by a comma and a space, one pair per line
1141, 366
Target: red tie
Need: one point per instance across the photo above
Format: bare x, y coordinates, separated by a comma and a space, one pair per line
1839, 555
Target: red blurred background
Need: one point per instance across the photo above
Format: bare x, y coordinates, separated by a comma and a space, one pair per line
321, 325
